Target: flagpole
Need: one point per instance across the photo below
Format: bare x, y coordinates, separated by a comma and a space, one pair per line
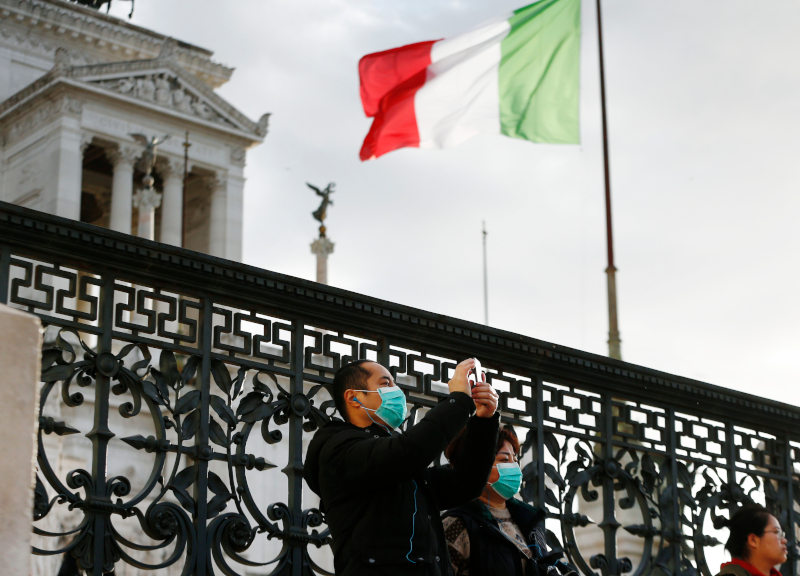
186, 146
614, 343
485, 281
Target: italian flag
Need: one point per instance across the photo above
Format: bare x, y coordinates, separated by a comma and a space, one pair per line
517, 77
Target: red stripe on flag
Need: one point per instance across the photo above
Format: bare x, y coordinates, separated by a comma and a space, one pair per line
389, 81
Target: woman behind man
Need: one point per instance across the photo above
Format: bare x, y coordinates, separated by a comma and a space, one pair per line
498, 535
756, 543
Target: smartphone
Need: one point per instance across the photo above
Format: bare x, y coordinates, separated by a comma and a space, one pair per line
475, 373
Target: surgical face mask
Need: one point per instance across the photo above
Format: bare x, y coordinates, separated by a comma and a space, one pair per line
393, 409
510, 480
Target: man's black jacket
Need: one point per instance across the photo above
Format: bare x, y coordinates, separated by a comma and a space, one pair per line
371, 483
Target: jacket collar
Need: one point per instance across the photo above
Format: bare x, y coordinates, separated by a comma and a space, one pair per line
337, 425
523, 514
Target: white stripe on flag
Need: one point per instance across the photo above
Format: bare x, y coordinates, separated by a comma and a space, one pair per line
460, 96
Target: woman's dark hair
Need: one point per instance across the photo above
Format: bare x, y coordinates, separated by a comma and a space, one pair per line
352, 376
750, 519
456, 447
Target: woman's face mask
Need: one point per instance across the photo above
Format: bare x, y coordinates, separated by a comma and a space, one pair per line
509, 481
393, 409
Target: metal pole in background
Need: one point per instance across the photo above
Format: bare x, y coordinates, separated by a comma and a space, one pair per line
485, 281
614, 343
186, 146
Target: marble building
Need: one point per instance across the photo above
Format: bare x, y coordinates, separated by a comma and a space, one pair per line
76, 83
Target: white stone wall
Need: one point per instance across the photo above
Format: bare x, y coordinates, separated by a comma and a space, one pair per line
18, 69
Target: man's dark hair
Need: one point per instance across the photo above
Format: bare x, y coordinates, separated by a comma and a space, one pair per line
750, 519
454, 450
352, 376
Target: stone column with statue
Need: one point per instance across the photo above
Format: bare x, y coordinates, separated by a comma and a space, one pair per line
322, 247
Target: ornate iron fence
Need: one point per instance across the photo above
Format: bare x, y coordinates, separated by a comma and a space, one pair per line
194, 383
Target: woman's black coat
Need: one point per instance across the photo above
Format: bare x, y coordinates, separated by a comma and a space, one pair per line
491, 553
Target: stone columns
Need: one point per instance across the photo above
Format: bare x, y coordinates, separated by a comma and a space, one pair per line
20, 357
322, 247
218, 217
172, 203
123, 158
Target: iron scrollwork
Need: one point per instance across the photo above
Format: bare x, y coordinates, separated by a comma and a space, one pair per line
173, 396
178, 393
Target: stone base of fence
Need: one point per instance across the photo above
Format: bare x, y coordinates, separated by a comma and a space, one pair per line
20, 352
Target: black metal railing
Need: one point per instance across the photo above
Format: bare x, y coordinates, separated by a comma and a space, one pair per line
178, 392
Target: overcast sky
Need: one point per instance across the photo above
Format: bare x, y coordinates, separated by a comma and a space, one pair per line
705, 167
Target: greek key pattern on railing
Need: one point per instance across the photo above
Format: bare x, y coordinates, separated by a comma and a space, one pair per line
179, 392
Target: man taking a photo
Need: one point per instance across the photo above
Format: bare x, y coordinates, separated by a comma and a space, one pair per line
380, 497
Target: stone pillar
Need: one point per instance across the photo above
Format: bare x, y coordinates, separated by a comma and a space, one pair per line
123, 158
63, 163
218, 223
322, 247
225, 217
147, 200
234, 203
172, 202
20, 358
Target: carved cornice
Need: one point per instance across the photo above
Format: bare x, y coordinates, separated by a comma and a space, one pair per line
112, 74
20, 39
29, 90
108, 38
156, 81
46, 110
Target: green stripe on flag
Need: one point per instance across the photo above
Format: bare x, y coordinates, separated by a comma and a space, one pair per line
539, 73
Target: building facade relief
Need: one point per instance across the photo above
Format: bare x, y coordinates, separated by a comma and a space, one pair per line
167, 91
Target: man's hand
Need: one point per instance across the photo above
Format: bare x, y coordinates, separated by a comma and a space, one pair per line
485, 399
459, 383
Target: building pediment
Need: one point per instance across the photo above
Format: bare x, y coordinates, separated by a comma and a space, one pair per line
166, 85
158, 83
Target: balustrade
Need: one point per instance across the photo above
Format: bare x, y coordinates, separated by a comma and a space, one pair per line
190, 385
